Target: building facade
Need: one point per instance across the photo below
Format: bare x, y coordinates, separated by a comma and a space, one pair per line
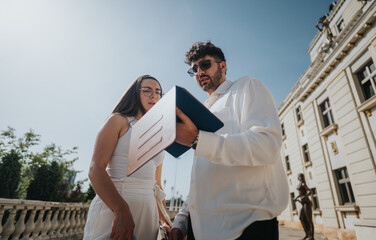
328, 124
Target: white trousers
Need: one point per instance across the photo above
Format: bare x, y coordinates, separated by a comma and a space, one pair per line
140, 195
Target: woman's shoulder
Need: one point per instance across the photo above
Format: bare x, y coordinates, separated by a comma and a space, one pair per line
117, 117
117, 120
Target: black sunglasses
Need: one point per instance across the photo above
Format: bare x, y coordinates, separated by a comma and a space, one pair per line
204, 65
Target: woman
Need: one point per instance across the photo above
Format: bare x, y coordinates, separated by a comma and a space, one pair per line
306, 210
125, 206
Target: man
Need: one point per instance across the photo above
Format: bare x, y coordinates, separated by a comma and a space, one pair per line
238, 185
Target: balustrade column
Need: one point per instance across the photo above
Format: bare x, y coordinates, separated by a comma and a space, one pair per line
59, 231
20, 226
41, 220
30, 225
1, 217
39, 223
54, 224
72, 222
83, 219
78, 220
46, 225
66, 222
9, 225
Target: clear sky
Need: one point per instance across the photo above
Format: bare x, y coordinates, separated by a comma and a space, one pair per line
65, 64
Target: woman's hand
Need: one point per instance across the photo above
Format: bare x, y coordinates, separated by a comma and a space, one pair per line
123, 224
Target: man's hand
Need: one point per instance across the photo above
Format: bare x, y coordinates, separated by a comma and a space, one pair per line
167, 230
186, 130
123, 224
175, 234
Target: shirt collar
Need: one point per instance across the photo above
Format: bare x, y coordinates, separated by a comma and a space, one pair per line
222, 89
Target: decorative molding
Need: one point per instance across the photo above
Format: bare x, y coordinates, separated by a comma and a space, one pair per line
317, 212
300, 123
308, 164
319, 62
367, 106
334, 147
332, 128
347, 208
367, 25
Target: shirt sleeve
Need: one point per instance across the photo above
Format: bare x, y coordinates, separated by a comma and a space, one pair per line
258, 139
181, 219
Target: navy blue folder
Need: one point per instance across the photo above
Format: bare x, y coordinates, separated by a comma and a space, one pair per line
198, 113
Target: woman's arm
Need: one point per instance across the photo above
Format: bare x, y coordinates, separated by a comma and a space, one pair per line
114, 127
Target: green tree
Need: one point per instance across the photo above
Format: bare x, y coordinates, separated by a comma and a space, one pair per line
10, 146
10, 174
46, 184
76, 195
45, 175
90, 194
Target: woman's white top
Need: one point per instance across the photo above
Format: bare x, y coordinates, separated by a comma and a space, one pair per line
117, 167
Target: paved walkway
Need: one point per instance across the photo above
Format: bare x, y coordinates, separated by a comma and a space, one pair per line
286, 233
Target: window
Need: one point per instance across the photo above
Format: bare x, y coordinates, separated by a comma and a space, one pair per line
293, 205
340, 25
307, 158
299, 113
315, 199
367, 80
344, 186
283, 129
326, 113
287, 160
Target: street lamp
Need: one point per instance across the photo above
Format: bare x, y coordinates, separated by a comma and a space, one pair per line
172, 201
177, 201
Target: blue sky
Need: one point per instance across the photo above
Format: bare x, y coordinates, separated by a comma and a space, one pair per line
65, 64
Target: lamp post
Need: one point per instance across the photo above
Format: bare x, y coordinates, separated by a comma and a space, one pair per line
177, 201
172, 201
174, 187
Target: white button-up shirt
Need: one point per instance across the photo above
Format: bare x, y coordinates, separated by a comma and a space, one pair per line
237, 175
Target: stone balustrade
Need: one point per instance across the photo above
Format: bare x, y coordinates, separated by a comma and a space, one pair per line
27, 219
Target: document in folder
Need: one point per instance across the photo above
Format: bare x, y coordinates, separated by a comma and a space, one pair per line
156, 130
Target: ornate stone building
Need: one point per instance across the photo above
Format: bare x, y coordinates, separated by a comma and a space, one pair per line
329, 124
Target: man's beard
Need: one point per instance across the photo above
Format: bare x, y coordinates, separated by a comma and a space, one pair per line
213, 82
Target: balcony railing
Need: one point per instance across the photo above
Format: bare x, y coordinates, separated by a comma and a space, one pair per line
26, 219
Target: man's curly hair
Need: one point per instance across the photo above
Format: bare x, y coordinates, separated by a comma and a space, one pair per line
201, 49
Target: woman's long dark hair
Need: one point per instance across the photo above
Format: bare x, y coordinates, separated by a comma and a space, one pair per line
130, 102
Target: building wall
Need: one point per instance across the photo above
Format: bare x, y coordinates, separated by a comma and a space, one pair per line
348, 143
322, 179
